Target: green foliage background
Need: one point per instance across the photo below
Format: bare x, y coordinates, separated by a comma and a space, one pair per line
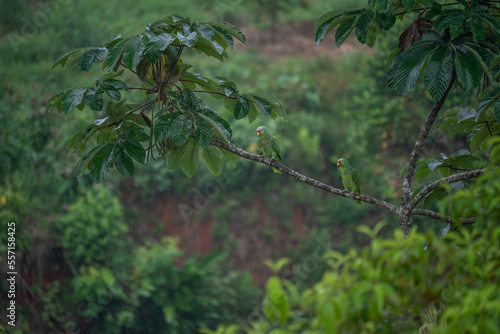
91, 265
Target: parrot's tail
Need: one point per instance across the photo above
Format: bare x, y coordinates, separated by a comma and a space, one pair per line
277, 171
358, 202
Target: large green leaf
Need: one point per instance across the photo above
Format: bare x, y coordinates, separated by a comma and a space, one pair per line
241, 108
223, 37
213, 159
135, 150
88, 59
220, 131
438, 73
93, 99
180, 130
74, 98
229, 29
99, 165
190, 80
405, 68
115, 55
203, 132
132, 52
331, 19
386, 19
76, 141
210, 48
190, 158
123, 162
344, 30
85, 161
173, 157
468, 69
161, 128
188, 40
364, 24
112, 92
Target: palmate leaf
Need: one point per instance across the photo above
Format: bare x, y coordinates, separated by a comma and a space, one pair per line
229, 29
270, 106
190, 158
469, 71
438, 73
88, 59
405, 68
241, 108
210, 48
135, 150
75, 143
115, 55
363, 25
203, 132
180, 130
223, 37
100, 163
94, 99
190, 80
220, 130
132, 52
344, 30
213, 159
73, 98
123, 162
331, 19
161, 127
386, 19
173, 157
85, 161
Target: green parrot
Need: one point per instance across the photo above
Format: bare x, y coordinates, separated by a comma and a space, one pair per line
350, 177
269, 145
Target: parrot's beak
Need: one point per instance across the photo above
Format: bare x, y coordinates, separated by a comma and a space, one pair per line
258, 133
338, 163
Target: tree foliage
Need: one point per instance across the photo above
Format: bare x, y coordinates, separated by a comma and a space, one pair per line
171, 119
432, 283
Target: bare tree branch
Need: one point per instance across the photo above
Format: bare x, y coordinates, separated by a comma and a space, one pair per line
300, 177
453, 178
438, 216
346, 193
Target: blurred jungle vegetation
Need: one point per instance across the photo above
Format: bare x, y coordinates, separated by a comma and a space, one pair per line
159, 252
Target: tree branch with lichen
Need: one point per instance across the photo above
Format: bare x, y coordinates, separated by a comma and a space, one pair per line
336, 191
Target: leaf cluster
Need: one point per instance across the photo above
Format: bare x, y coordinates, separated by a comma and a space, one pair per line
171, 118
442, 41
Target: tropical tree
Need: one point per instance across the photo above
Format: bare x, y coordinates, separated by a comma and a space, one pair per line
448, 45
452, 45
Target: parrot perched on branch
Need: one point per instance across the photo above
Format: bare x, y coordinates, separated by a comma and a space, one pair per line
350, 177
269, 145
